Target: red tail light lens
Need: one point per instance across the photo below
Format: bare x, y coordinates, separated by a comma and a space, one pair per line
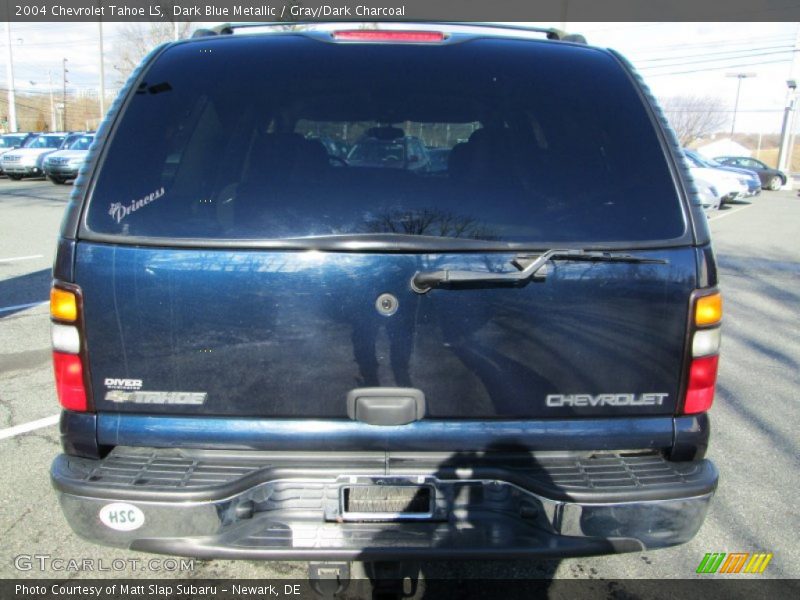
69, 381
702, 380
375, 35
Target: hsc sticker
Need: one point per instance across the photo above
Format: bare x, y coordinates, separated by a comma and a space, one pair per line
121, 516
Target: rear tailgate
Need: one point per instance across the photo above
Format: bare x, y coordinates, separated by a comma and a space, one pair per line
288, 334
231, 267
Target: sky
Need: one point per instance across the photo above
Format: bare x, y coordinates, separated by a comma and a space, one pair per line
674, 58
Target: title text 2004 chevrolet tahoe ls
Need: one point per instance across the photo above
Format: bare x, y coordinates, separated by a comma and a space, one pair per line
263, 351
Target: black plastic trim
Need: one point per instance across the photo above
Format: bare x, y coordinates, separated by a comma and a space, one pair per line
70, 475
79, 434
707, 275
691, 437
64, 263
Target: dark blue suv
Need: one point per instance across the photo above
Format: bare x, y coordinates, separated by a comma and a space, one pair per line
263, 351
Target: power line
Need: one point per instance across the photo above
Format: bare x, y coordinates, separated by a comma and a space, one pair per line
711, 60
718, 43
743, 50
751, 64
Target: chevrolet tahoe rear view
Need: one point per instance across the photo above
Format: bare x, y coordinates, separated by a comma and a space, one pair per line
264, 351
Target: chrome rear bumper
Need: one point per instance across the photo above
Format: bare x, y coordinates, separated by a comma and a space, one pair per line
215, 505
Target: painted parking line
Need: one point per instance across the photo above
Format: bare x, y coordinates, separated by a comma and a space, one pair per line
15, 258
22, 306
28, 427
728, 213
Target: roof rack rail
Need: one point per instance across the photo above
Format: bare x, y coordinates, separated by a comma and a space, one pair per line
551, 32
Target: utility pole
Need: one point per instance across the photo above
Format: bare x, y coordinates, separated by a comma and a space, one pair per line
12, 100
792, 127
739, 76
53, 124
788, 112
64, 96
787, 129
102, 90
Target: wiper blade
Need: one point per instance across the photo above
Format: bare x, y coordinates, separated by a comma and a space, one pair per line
529, 268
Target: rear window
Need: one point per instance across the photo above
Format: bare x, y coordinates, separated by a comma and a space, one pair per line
284, 137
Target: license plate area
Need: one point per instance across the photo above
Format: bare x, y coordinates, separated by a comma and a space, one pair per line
389, 500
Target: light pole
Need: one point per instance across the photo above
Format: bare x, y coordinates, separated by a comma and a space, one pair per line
12, 101
788, 113
64, 96
738, 76
102, 90
53, 123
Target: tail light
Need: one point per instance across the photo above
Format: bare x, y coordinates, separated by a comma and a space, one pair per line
377, 35
69, 381
69, 351
704, 352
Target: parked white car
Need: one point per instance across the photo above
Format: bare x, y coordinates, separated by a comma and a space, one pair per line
27, 161
727, 183
709, 194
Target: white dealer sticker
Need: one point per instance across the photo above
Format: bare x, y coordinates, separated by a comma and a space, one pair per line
122, 516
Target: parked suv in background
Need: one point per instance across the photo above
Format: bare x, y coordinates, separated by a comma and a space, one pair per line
11, 141
261, 354
64, 164
28, 160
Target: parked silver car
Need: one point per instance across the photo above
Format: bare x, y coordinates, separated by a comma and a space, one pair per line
12, 141
28, 160
64, 164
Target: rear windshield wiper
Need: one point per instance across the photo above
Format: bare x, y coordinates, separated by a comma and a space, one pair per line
529, 268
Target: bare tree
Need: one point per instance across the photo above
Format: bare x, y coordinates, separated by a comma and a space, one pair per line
429, 222
693, 117
138, 39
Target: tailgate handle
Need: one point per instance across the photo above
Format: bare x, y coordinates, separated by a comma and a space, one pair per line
386, 405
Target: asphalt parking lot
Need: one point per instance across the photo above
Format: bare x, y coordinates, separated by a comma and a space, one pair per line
756, 417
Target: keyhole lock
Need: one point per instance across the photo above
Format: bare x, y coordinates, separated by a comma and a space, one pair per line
386, 305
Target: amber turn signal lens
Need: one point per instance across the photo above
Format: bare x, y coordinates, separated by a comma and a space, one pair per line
63, 305
708, 310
